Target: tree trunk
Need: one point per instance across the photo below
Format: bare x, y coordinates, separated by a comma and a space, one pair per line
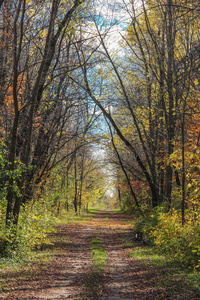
12, 152
75, 185
183, 165
170, 123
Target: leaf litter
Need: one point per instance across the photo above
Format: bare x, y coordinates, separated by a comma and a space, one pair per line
65, 276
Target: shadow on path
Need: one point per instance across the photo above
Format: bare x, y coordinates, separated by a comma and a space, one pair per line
65, 277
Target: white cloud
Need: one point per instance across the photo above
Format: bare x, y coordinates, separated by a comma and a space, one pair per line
113, 17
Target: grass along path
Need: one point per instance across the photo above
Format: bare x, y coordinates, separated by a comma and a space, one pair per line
94, 279
96, 258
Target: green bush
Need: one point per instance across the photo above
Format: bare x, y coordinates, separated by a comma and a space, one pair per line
33, 226
146, 225
170, 237
178, 241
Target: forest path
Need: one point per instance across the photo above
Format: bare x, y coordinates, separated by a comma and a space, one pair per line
66, 276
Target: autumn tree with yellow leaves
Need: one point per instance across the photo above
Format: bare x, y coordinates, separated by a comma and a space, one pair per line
153, 81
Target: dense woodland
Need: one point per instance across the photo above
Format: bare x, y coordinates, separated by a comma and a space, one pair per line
101, 109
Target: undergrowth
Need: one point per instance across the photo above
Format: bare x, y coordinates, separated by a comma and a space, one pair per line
170, 237
34, 224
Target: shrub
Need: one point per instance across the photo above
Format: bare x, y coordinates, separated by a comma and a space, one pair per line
33, 226
146, 225
177, 241
170, 237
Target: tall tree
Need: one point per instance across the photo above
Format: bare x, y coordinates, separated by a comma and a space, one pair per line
57, 23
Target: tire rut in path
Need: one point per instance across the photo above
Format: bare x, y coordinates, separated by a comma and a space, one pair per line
122, 278
126, 278
73, 268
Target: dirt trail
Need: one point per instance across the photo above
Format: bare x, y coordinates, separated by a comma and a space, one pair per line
65, 277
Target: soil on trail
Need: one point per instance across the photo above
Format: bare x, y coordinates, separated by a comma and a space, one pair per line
66, 276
